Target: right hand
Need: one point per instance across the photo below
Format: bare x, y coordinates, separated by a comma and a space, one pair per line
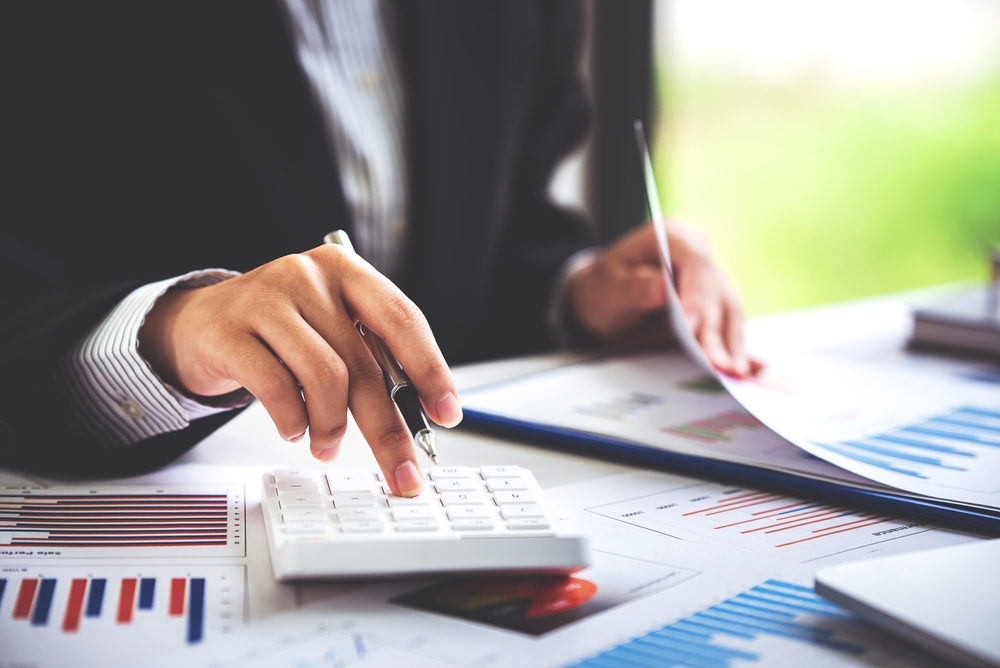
289, 324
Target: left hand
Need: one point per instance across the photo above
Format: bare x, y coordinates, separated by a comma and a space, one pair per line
625, 284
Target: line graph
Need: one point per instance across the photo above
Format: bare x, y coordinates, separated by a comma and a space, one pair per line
766, 522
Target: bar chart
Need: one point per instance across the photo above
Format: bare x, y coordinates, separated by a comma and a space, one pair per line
65, 608
776, 623
944, 448
715, 428
766, 522
174, 520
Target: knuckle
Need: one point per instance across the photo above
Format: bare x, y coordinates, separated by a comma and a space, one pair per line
433, 367
393, 437
329, 374
364, 371
287, 270
335, 433
275, 385
401, 311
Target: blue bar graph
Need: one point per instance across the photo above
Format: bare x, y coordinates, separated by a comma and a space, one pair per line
43, 604
906, 449
196, 611
95, 598
774, 608
146, 588
3, 586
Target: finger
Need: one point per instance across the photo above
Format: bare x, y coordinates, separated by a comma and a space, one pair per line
710, 338
376, 415
322, 375
644, 289
734, 338
383, 308
638, 246
253, 365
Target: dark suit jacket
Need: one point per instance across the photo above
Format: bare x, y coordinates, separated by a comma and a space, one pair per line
142, 140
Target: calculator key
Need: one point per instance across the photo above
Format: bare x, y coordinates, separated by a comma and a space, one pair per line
353, 485
285, 488
529, 510
303, 515
444, 472
399, 501
412, 512
305, 528
353, 500
460, 498
417, 525
299, 500
361, 527
460, 512
294, 475
504, 484
500, 471
528, 523
355, 514
505, 498
456, 485
478, 524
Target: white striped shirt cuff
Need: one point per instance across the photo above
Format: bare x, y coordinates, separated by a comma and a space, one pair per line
112, 388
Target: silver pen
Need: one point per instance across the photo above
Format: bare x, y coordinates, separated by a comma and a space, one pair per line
401, 390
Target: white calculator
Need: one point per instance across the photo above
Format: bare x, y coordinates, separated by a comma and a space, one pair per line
345, 523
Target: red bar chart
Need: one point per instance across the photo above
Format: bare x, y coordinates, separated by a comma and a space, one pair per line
176, 520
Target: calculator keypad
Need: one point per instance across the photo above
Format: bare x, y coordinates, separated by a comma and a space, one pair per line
313, 505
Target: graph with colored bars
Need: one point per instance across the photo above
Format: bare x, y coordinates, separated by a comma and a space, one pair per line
776, 623
765, 522
716, 428
50, 611
123, 521
944, 449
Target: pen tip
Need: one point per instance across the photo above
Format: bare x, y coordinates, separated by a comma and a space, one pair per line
434, 458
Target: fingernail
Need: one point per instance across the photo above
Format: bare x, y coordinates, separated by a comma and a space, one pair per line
329, 454
296, 439
448, 410
408, 480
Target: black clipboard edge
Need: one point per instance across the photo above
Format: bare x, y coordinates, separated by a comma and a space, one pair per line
958, 517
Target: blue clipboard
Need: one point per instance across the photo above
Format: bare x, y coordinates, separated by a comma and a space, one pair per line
964, 517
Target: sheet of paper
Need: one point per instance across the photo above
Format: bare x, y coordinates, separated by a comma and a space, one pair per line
907, 426
661, 400
115, 574
898, 423
657, 576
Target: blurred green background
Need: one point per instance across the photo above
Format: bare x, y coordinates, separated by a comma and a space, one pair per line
817, 177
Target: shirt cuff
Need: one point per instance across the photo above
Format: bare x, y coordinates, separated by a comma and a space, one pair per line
112, 388
568, 331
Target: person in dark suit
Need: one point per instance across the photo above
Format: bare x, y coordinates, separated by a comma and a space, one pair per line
146, 144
